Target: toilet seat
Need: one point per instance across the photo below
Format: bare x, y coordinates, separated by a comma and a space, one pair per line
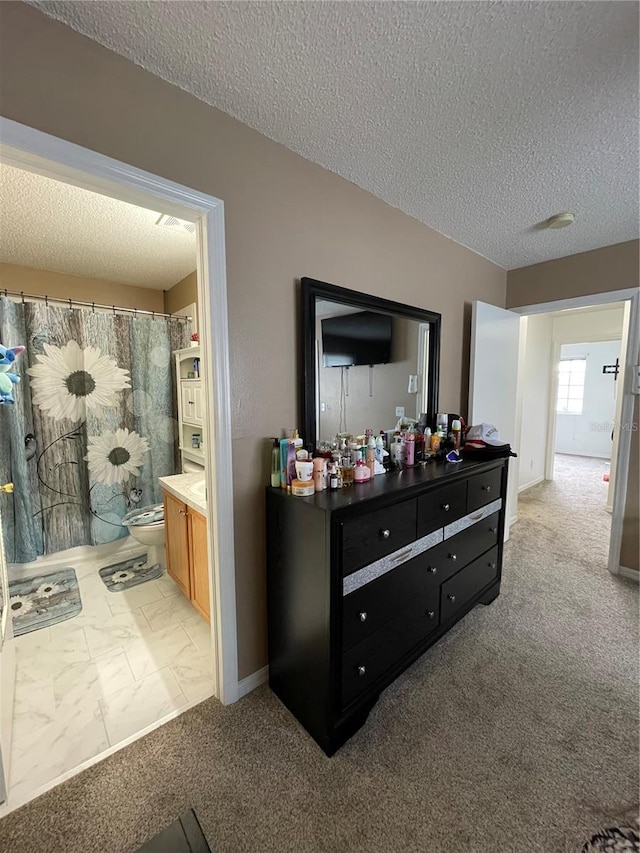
147, 516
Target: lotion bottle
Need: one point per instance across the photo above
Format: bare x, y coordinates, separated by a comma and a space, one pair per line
275, 464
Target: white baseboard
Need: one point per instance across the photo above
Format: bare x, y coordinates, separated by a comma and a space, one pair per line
634, 574
246, 685
531, 484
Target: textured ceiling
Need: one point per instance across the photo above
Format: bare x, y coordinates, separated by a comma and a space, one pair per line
50, 225
480, 119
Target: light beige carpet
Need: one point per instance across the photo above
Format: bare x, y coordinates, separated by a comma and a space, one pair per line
517, 733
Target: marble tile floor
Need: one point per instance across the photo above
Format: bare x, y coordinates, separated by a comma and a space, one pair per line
126, 661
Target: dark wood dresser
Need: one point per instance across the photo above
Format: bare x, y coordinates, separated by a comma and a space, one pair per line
361, 581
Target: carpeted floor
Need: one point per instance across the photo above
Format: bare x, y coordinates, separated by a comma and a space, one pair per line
516, 733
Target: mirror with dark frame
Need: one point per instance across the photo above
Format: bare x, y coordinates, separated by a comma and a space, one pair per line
363, 357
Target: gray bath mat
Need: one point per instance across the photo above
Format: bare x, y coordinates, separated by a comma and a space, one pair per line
129, 573
43, 600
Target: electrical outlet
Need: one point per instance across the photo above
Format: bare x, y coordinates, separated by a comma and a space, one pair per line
399, 411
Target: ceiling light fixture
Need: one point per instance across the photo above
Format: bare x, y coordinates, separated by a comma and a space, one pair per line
560, 220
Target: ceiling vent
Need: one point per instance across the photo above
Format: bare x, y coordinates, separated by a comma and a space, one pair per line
176, 224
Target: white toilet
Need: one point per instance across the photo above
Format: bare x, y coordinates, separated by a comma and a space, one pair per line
146, 525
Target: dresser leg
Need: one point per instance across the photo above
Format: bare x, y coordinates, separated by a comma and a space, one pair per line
491, 595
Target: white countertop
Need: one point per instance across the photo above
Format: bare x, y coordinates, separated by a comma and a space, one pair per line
181, 487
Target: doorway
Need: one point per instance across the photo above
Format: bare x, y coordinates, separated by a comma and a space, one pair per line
529, 423
38, 153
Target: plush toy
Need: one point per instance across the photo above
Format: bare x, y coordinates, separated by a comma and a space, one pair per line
7, 380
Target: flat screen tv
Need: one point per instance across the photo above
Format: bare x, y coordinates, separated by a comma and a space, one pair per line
352, 339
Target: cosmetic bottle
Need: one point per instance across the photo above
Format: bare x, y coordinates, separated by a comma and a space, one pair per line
409, 449
333, 478
371, 456
297, 441
396, 452
275, 463
318, 478
284, 444
361, 473
456, 429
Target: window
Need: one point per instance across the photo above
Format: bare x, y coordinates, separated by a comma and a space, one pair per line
571, 373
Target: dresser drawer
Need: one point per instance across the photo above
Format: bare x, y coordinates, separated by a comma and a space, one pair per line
441, 507
365, 540
367, 609
483, 488
368, 661
467, 583
471, 542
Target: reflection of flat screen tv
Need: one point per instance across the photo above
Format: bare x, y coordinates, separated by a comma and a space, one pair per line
360, 338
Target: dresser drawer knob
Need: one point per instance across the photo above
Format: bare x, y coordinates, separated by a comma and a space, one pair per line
453, 557
430, 613
433, 570
493, 529
363, 616
385, 534
492, 565
486, 488
362, 670
451, 597
445, 507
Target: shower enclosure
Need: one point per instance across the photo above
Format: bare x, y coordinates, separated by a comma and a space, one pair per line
93, 425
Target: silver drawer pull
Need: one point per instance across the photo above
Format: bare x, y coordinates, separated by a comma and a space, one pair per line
486, 488
385, 534
430, 614
362, 670
493, 529
445, 507
451, 597
403, 556
433, 570
492, 565
363, 616
453, 557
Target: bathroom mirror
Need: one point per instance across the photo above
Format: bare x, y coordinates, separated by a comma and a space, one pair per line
363, 357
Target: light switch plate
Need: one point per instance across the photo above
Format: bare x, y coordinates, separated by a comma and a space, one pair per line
399, 411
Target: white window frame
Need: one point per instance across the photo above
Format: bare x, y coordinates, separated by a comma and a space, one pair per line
567, 397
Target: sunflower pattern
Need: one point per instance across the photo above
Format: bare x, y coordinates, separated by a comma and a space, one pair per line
68, 382
114, 457
20, 604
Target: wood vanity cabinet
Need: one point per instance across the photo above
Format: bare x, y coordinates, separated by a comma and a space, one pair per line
360, 582
186, 546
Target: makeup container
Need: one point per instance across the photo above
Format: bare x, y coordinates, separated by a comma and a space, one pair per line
302, 488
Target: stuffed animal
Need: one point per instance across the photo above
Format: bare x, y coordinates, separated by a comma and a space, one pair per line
7, 357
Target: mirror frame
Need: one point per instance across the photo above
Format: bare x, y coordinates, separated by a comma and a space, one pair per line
312, 290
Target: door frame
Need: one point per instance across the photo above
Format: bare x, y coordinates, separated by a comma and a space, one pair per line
35, 151
631, 295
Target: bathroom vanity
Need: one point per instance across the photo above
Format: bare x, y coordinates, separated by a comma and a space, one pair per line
362, 581
186, 537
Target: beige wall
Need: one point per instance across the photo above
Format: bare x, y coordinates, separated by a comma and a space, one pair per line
610, 268
184, 293
63, 286
285, 218
602, 270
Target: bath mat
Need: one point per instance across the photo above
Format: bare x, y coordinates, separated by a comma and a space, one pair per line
129, 573
43, 600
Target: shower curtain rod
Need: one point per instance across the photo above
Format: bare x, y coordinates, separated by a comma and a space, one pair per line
92, 305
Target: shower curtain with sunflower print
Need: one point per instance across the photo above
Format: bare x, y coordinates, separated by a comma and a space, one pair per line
93, 425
